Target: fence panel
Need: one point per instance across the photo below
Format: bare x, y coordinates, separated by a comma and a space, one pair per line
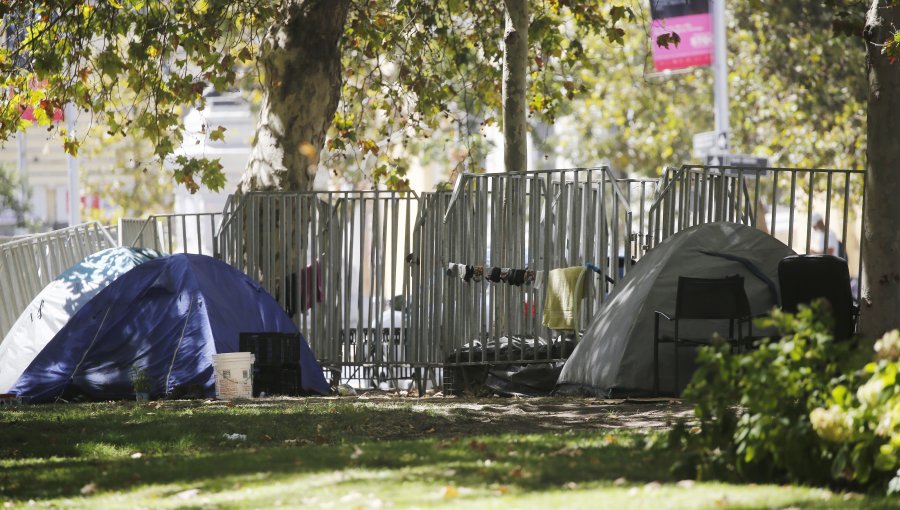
534, 221
28, 264
173, 233
337, 262
783, 202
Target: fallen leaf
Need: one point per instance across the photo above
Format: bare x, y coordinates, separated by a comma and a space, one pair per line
568, 451
450, 492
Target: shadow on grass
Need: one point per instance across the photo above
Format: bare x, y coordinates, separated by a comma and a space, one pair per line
55, 451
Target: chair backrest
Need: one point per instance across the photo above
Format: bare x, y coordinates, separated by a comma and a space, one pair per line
711, 298
804, 278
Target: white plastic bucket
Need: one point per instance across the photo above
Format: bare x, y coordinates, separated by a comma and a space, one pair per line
234, 374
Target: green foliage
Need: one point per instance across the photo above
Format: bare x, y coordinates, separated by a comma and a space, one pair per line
412, 69
13, 195
862, 428
797, 95
135, 64
768, 437
140, 380
787, 412
129, 182
424, 79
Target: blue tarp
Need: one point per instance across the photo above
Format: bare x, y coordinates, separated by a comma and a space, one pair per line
168, 317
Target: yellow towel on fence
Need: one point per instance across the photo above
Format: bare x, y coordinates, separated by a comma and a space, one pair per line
565, 288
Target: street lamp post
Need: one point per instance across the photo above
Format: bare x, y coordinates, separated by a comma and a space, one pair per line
720, 76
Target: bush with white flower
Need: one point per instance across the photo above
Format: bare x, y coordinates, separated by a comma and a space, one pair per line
870, 452
801, 408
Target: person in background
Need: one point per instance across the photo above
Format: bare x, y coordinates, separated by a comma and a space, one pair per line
817, 243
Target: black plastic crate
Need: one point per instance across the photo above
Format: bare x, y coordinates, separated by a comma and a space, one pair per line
273, 380
272, 349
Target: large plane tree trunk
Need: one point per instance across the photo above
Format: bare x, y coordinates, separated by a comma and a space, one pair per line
302, 77
515, 68
301, 63
881, 237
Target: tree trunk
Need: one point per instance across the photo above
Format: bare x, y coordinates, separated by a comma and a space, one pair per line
301, 62
515, 67
881, 238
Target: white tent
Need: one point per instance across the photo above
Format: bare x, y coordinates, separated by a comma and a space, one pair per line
51, 309
615, 355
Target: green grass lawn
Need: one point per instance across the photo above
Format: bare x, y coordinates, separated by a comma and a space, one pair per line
352, 453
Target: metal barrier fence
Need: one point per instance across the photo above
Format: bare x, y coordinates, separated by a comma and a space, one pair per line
364, 274
27, 265
336, 261
640, 195
781, 201
537, 221
172, 233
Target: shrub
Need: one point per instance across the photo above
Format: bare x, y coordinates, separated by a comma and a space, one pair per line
802, 408
754, 408
862, 427
140, 380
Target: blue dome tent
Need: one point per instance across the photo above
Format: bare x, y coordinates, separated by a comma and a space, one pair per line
61, 299
168, 316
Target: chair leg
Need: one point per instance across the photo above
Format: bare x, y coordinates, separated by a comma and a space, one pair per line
677, 378
656, 366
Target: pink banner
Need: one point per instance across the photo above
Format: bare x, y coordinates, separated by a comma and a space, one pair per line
695, 48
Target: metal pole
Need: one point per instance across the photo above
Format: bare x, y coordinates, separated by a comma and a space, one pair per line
22, 170
720, 75
74, 193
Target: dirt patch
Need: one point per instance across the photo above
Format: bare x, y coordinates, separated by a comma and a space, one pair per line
388, 416
504, 415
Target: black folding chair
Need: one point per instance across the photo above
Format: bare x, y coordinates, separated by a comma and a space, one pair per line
804, 278
704, 299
